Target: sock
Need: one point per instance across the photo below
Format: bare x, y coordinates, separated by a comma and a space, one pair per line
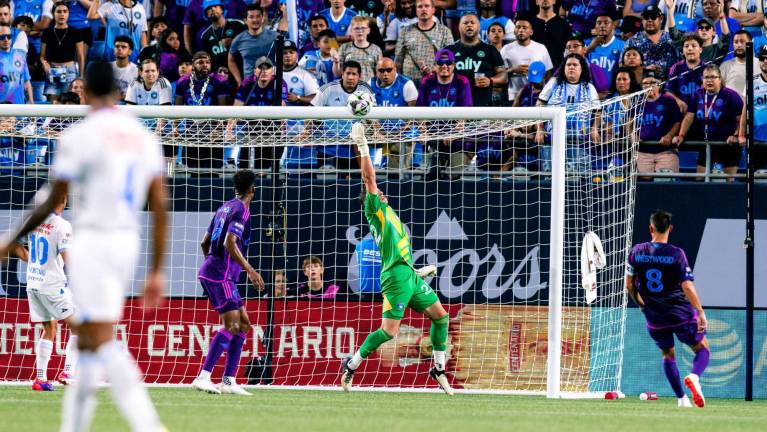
701, 361
80, 398
218, 345
233, 356
356, 361
439, 359
205, 375
128, 392
373, 341
44, 350
438, 333
70, 361
672, 375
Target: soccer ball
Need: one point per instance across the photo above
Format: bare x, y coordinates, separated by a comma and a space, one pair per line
359, 103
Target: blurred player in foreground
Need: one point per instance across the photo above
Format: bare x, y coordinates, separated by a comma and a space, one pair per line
225, 246
401, 284
660, 281
112, 163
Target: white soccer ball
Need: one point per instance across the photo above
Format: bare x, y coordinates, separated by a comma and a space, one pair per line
360, 102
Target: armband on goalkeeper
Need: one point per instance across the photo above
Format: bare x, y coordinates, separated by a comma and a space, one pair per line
358, 137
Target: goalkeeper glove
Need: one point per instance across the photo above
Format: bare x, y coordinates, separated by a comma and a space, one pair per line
426, 271
358, 137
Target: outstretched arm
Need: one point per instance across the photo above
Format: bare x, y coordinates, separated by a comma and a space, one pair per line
366, 165
58, 191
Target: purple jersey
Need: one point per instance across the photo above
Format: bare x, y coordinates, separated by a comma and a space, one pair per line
251, 94
683, 81
716, 115
232, 217
191, 90
582, 14
174, 13
658, 119
658, 270
457, 93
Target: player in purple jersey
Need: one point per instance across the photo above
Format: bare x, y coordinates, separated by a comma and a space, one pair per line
225, 246
660, 281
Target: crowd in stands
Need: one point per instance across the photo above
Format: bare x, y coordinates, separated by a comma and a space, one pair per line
445, 53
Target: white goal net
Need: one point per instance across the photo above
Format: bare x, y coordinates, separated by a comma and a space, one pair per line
502, 216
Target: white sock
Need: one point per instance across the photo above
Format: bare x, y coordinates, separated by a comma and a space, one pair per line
204, 375
229, 380
70, 362
356, 361
80, 397
128, 391
439, 360
44, 350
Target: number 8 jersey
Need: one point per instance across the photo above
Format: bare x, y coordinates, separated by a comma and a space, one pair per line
45, 269
658, 270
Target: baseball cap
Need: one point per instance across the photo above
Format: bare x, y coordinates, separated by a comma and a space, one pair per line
200, 54
263, 60
653, 73
651, 11
708, 21
289, 45
535, 72
210, 3
443, 55
763, 51
631, 24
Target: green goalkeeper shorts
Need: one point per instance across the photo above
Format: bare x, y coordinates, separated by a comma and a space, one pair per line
402, 288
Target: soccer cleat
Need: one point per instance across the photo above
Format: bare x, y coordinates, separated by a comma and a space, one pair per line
40, 385
683, 402
64, 378
692, 382
347, 375
205, 385
441, 377
235, 389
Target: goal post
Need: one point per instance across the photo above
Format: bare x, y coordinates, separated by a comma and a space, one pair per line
519, 321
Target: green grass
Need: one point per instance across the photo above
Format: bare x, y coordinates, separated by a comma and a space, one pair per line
307, 411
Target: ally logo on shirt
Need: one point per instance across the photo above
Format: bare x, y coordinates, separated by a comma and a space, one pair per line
468, 64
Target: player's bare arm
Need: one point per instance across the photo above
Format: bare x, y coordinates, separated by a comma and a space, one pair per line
205, 244
19, 251
631, 289
58, 192
692, 296
230, 242
153, 289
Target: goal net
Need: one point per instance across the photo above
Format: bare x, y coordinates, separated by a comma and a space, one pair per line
500, 212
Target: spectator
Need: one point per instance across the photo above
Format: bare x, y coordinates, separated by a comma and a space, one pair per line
518, 55
404, 15
317, 23
218, 37
367, 8
384, 20
306, 11
359, 50
635, 7
633, 59
368, 259
122, 18
571, 88
251, 45
77, 86
583, 13
686, 12
201, 87
749, 14
36, 70
62, 52
19, 38
734, 70
655, 45
280, 284
551, 30
320, 61
660, 122
495, 36
714, 48
618, 116
169, 52
528, 95
479, 62
172, 11
78, 18
195, 20
454, 10
315, 287
713, 9
125, 71
149, 88
302, 86
759, 113
490, 13
157, 26
16, 88
418, 43
630, 25
33, 9
686, 75
445, 88
576, 45
339, 19
392, 89
604, 49
713, 115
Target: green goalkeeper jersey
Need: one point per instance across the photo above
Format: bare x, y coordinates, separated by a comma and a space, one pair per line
389, 233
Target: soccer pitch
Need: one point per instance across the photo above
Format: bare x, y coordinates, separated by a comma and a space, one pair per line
186, 410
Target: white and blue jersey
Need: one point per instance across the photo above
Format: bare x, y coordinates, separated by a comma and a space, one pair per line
760, 108
13, 74
369, 265
507, 24
32, 9
334, 95
321, 69
122, 21
340, 26
607, 56
686, 14
398, 94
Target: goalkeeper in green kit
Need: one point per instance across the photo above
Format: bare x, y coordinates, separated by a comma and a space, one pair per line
401, 284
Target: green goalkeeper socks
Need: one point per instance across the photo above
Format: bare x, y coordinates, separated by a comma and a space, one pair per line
438, 333
373, 341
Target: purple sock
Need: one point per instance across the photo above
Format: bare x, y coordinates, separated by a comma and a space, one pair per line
234, 354
700, 362
218, 345
672, 375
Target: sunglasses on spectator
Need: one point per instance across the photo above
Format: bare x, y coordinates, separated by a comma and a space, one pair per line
360, 28
652, 18
5, 37
650, 83
444, 62
711, 77
385, 70
704, 27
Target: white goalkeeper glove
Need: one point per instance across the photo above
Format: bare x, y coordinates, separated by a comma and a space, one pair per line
358, 137
426, 271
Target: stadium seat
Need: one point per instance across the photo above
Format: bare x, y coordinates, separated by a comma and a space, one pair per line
688, 161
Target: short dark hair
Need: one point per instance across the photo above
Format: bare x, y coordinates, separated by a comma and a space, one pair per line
692, 37
243, 181
254, 7
100, 79
59, 3
147, 61
317, 17
326, 33
743, 32
123, 38
499, 25
23, 19
352, 64
311, 260
69, 97
661, 221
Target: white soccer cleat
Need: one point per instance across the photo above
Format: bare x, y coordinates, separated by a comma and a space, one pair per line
205, 385
235, 389
346, 375
426, 271
692, 382
441, 377
684, 402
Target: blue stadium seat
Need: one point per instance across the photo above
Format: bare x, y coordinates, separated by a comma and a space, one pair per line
300, 158
688, 161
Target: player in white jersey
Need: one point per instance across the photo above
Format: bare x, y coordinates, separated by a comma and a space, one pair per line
150, 88
112, 164
50, 300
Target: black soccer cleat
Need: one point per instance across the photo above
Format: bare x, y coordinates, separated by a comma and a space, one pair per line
441, 378
347, 375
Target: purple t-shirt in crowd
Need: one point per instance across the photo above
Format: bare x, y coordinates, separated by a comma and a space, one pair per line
716, 116
659, 116
582, 14
174, 13
232, 217
169, 66
684, 82
195, 17
457, 93
251, 94
658, 270
599, 78
217, 86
